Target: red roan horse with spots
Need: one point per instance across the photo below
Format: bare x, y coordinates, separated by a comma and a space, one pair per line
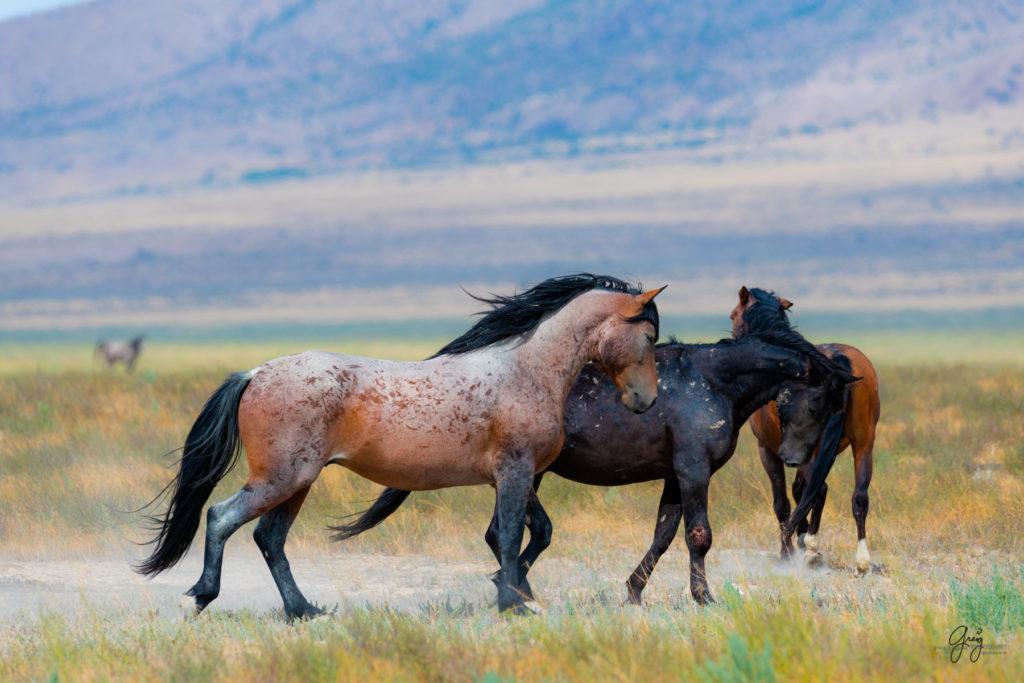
803, 409
486, 409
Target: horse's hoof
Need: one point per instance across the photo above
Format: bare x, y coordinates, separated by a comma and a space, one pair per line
189, 607
863, 558
810, 543
520, 609
309, 613
319, 615
813, 560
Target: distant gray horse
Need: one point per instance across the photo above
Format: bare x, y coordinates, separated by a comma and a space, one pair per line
119, 351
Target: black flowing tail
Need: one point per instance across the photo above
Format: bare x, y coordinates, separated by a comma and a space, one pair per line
830, 439
386, 503
210, 452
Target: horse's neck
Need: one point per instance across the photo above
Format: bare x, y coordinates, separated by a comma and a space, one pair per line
558, 349
747, 378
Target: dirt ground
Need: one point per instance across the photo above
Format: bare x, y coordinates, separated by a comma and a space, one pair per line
408, 583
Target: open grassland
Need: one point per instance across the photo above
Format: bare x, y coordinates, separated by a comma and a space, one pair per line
81, 446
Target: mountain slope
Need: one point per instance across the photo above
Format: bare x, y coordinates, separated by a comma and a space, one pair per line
117, 96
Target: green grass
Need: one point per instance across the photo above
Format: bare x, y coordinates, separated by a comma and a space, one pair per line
82, 445
996, 603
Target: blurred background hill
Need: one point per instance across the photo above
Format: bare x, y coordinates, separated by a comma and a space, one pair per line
282, 161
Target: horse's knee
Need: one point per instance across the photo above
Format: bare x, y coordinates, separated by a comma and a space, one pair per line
698, 539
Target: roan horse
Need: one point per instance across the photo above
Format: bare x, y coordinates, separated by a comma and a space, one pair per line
118, 351
705, 394
757, 311
486, 409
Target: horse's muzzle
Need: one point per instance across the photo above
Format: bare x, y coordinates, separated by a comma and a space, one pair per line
793, 457
637, 404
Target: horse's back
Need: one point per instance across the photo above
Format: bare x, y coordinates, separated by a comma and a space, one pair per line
412, 425
864, 407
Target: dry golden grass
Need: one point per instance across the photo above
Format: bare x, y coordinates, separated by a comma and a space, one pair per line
81, 445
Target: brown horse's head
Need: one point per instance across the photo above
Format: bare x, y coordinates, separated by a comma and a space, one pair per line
625, 350
750, 298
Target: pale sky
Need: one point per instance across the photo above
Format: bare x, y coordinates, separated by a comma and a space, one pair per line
17, 8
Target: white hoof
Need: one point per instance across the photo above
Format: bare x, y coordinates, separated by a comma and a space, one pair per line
188, 607
533, 606
811, 543
863, 557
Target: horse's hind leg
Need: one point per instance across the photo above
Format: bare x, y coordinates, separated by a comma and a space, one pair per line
539, 524
222, 520
776, 471
670, 511
862, 462
694, 476
270, 536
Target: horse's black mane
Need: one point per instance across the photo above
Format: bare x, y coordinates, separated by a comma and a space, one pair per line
766, 319
514, 315
766, 313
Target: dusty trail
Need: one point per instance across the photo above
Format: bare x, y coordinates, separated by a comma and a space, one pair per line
408, 583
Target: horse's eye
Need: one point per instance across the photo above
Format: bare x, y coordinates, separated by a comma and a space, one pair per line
650, 339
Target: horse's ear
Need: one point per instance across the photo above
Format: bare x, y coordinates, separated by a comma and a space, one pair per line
645, 298
785, 303
744, 295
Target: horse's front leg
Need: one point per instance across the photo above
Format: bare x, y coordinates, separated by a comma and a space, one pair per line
669, 514
514, 475
539, 524
811, 542
694, 477
776, 471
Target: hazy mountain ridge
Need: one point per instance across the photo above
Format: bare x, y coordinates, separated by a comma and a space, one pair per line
250, 161
118, 95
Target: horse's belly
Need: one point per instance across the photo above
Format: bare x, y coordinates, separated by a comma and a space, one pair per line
413, 456
602, 458
411, 471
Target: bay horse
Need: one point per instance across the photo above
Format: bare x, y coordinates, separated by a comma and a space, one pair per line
757, 311
705, 394
486, 409
118, 351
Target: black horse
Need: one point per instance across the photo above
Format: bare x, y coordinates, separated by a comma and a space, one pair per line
705, 394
